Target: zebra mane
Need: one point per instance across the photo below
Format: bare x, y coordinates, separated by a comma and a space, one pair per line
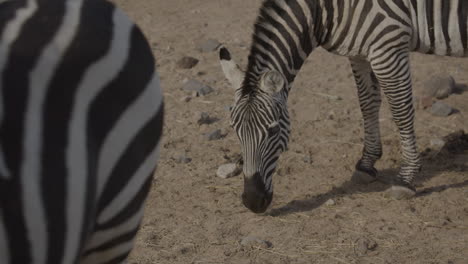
262, 52
250, 85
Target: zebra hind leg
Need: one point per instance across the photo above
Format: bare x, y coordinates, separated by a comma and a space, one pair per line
394, 76
369, 101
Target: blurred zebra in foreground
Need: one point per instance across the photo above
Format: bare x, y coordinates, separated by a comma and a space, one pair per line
377, 36
81, 115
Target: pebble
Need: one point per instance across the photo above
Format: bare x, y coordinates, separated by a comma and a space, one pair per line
214, 135
251, 241
440, 87
363, 245
330, 202
208, 45
183, 159
228, 170
206, 119
187, 62
426, 101
441, 109
186, 99
307, 159
197, 87
437, 143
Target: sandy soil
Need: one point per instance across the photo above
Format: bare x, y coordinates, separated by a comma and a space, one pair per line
194, 217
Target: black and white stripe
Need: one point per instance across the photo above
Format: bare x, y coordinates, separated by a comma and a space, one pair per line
377, 36
81, 115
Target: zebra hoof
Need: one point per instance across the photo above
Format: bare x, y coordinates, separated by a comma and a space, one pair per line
361, 177
398, 192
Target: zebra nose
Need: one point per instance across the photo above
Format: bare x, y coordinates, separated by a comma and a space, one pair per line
255, 197
255, 202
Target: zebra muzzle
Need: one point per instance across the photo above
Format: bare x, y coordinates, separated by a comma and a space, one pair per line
255, 197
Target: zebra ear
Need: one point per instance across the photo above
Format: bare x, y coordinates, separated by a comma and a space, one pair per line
231, 70
272, 82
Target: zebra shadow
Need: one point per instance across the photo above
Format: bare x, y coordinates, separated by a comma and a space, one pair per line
453, 157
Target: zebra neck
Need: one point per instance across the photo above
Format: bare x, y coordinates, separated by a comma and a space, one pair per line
284, 35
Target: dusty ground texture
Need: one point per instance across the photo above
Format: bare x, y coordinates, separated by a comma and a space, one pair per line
194, 217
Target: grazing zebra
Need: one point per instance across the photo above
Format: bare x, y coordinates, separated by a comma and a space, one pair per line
377, 36
81, 116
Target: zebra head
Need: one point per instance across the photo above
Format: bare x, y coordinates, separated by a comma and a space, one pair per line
260, 118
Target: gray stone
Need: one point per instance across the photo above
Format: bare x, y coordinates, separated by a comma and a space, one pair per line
206, 119
330, 202
228, 170
426, 101
439, 87
214, 135
399, 193
208, 45
364, 245
197, 87
437, 143
182, 159
186, 99
441, 109
255, 242
187, 62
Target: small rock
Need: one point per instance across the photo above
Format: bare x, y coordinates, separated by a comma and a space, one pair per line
307, 159
333, 97
331, 115
228, 108
330, 202
209, 45
186, 99
426, 101
234, 158
439, 87
363, 245
187, 62
437, 143
182, 159
197, 87
205, 119
441, 109
254, 242
214, 135
228, 170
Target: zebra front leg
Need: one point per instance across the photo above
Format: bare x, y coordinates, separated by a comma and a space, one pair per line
394, 76
369, 101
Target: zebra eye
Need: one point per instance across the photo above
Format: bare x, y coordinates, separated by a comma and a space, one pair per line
273, 130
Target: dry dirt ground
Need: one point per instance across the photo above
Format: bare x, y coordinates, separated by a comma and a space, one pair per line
194, 217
